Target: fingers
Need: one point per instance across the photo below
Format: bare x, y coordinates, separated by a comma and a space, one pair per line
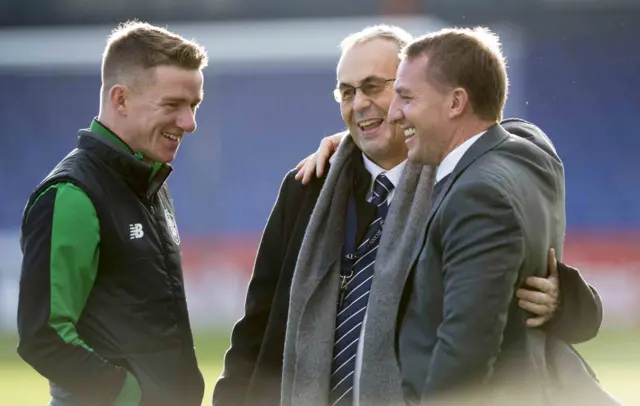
541, 301
316, 163
553, 263
309, 169
335, 139
326, 149
535, 297
542, 284
302, 167
320, 164
537, 309
330, 146
536, 321
301, 163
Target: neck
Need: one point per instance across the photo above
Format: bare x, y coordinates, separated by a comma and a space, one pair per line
464, 132
108, 120
389, 163
394, 157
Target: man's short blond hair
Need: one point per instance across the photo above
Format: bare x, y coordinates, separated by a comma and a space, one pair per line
136, 46
470, 58
391, 33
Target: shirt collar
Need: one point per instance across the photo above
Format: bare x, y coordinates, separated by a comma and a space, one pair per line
99, 128
449, 162
394, 174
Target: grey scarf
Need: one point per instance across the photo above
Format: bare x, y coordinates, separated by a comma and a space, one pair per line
309, 337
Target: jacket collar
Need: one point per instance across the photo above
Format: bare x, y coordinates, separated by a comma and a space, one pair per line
494, 136
144, 178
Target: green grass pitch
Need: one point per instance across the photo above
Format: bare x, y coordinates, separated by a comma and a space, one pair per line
615, 356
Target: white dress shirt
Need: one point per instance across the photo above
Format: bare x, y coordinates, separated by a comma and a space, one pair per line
394, 174
450, 161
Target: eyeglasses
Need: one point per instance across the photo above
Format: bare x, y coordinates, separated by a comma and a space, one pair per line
370, 87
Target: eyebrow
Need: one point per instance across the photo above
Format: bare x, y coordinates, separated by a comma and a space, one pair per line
181, 100
401, 90
367, 79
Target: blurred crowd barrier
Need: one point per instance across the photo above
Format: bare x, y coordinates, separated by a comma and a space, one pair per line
217, 271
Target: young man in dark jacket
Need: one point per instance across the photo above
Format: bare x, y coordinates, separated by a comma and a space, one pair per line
102, 311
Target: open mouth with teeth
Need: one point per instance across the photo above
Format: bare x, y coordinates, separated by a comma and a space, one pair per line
409, 132
370, 124
171, 137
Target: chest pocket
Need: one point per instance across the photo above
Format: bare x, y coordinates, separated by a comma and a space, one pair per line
140, 251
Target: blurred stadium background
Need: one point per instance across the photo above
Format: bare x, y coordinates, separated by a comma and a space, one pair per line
574, 68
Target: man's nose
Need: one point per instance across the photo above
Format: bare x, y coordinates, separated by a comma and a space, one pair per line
395, 113
187, 121
361, 101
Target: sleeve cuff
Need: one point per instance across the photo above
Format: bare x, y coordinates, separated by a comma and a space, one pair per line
130, 394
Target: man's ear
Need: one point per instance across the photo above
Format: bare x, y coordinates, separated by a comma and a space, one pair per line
458, 101
119, 97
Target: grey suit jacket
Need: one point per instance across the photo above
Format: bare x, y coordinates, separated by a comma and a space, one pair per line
462, 336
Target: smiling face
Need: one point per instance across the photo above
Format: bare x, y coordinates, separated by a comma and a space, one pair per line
371, 66
423, 111
451, 85
159, 112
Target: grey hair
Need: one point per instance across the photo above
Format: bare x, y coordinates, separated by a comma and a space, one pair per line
381, 31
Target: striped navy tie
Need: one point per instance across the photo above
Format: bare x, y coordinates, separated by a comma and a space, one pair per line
354, 301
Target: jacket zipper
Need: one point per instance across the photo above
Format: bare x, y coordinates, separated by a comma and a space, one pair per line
165, 257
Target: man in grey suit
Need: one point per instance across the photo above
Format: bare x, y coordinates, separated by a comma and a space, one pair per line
498, 205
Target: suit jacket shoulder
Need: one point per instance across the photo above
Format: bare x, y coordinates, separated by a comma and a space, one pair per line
293, 197
508, 162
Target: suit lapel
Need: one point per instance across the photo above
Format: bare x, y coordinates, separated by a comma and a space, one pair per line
494, 136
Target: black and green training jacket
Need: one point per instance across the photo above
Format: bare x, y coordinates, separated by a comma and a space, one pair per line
102, 311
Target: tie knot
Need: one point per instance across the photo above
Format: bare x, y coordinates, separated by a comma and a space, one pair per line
381, 188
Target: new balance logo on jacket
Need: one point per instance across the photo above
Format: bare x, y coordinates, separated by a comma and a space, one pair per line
135, 231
